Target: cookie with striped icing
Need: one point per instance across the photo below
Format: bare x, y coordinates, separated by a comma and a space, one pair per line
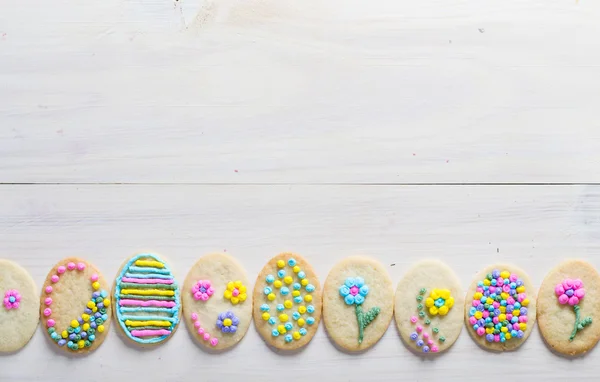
146, 300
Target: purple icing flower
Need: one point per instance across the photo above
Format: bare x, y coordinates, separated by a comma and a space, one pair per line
228, 322
570, 291
12, 298
202, 290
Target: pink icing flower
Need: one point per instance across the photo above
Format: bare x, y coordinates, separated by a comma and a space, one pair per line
12, 298
570, 292
202, 290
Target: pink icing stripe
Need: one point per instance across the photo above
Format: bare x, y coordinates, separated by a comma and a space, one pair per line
150, 333
162, 304
146, 281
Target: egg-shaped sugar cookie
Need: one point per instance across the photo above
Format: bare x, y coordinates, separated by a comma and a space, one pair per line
428, 307
75, 306
19, 312
287, 302
146, 300
567, 304
500, 308
358, 303
217, 306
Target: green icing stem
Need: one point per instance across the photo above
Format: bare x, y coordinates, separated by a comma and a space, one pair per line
364, 319
579, 323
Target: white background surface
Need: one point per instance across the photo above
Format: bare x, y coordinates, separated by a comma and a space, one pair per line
466, 131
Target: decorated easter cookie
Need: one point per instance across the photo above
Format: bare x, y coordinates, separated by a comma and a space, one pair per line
567, 307
428, 307
358, 302
287, 302
75, 306
500, 308
146, 300
217, 307
19, 314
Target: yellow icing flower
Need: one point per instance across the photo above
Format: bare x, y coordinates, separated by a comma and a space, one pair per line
235, 292
439, 302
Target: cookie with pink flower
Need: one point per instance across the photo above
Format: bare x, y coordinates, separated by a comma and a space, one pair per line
19, 314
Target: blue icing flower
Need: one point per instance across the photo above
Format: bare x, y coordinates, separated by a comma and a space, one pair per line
354, 291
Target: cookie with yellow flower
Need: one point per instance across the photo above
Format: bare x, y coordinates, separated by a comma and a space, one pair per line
426, 310
217, 309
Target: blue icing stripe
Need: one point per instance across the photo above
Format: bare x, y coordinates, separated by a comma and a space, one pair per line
130, 270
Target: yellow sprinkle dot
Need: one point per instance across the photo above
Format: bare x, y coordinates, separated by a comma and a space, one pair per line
95, 309
296, 293
91, 304
100, 328
86, 317
502, 309
504, 329
86, 327
521, 289
96, 285
301, 322
477, 296
302, 309
281, 329
502, 317
296, 269
516, 313
304, 282
277, 284
81, 344
288, 280
283, 317
508, 336
288, 304
525, 302
106, 302
296, 335
308, 298
74, 323
227, 294
504, 295
489, 301
235, 300
486, 282
227, 322
280, 263
64, 334
271, 297
489, 330
266, 316
478, 315
505, 274
523, 326
243, 297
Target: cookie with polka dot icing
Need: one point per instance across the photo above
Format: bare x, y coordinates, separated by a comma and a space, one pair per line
217, 307
146, 300
75, 306
19, 313
358, 303
500, 308
566, 307
287, 302
428, 307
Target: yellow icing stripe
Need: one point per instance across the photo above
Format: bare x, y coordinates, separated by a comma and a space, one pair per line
147, 323
149, 263
148, 292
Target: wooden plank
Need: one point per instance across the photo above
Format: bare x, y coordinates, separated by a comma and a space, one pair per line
281, 91
466, 226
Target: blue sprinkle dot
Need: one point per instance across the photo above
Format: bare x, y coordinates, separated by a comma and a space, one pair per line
310, 320
303, 332
267, 290
291, 262
280, 307
288, 338
270, 279
275, 333
284, 291
288, 326
272, 321
296, 316
310, 288
281, 273
298, 299
301, 275
265, 307
297, 286
310, 309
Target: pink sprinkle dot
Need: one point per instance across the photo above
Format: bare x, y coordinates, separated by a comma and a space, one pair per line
425, 335
194, 316
50, 323
434, 349
197, 325
48, 301
475, 303
206, 336
472, 320
47, 312
94, 277
81, 266
523, 319
214, 341
516, 326
71, 266
48, 289
509, 317
486, 314
413, 319
430, 342
54, 278
480, 331
236, 292
419, 329
61, 270
201, 331
497, 338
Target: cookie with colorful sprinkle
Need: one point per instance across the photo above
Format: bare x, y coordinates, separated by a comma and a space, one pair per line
146, 300
358, 303
19, 313
287, 302
217, 308
428, 307
567, 305
75, 306
500, 308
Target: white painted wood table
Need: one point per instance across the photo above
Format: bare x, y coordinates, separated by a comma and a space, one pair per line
461, 130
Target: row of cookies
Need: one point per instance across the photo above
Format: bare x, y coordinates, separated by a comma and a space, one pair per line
357, 303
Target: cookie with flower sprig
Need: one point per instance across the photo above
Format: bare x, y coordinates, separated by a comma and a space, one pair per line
217, 308
358, 303
566, 307
19, 314
500, 308
428, 307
